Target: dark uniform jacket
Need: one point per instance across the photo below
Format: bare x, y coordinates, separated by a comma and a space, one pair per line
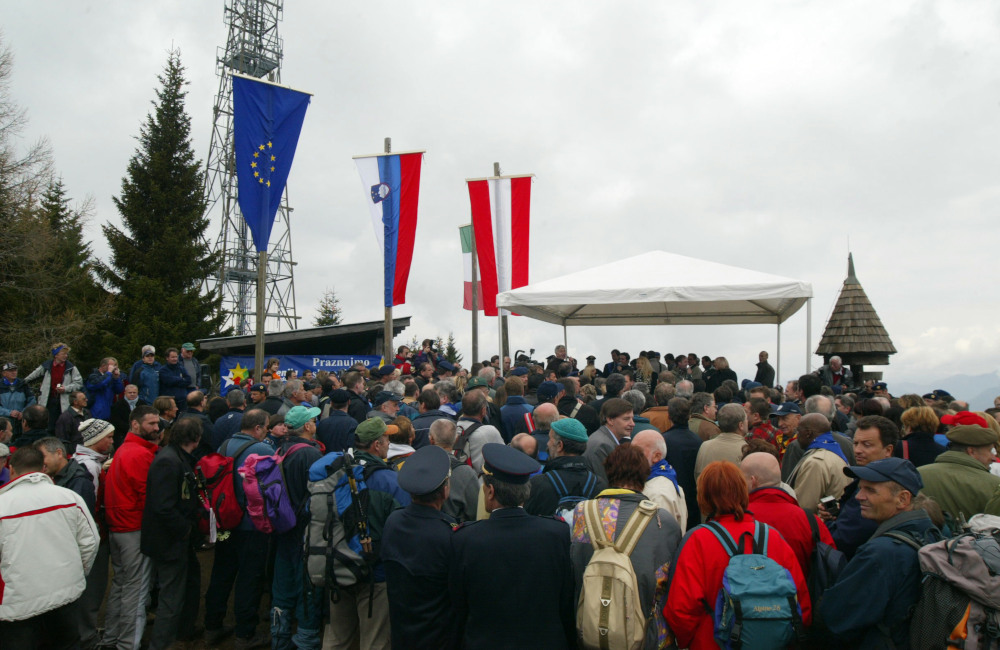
172, 505
682, 453
573, 472
506, 598
416, 552
336, 431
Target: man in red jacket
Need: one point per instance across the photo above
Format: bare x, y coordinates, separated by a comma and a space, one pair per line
774, 506
124, 500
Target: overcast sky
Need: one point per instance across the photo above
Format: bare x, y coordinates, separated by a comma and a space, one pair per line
773, 136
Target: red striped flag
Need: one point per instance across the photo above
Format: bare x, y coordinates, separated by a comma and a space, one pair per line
501, 216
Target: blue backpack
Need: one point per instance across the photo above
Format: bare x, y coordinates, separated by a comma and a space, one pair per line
757, 606
567, 502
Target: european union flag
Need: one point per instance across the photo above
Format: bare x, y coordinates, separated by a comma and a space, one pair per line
267, 120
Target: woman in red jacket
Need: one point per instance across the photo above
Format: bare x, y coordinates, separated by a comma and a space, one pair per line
697, 578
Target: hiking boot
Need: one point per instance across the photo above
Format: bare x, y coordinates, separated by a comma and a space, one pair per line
259, 640
215, 637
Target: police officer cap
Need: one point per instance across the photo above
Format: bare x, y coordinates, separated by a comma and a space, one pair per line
446, 366
386, 396
385, 371
571, 429
519, 371
425, 470
507, 464
340, 396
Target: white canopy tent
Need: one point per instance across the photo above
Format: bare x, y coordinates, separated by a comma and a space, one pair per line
659, 288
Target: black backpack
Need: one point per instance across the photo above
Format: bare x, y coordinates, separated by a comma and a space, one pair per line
825, 564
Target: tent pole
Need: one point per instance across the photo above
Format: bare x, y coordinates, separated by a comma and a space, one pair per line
777, 373
565, 344
809, 321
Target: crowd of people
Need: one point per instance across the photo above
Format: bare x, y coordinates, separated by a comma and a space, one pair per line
493, 497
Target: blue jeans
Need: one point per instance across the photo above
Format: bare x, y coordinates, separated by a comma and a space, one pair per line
293, 597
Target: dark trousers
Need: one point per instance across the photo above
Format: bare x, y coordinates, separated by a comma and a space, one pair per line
177, 607
240, 560
90, 602
54, 407
53, 630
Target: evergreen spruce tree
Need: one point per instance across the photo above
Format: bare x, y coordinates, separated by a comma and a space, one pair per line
160, 258
451, 351
329, 312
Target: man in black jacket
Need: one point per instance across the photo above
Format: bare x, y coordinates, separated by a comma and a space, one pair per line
490, 564
567, 478
66, 472
169, 537
358, 407
765, 371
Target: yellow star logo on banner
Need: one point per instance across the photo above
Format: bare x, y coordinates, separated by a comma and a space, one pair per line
236, 375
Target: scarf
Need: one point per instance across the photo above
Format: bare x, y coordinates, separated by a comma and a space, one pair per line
663, 468
827, 441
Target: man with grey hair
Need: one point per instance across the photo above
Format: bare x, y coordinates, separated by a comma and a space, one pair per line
273, 402
638, 402
703, 414
294, 395
464, 497
835, 373
685, 389
826, 407
397, 387
230, 423
661, 487
729, 444
473, 433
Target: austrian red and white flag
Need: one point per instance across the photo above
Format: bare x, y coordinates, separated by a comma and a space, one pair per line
501, 217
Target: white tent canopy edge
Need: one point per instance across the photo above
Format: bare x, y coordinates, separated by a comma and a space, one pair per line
660, 288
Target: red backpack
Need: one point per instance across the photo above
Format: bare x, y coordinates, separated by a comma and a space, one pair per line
217, 474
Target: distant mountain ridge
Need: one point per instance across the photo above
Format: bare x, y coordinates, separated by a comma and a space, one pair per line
977, 390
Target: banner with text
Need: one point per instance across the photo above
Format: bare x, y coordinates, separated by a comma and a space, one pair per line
233, 369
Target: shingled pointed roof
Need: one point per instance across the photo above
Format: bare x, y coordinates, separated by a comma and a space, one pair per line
854, 331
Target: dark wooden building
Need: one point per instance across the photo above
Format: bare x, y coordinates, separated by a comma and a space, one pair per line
855, 332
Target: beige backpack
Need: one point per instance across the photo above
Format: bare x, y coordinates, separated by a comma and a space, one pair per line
609, 613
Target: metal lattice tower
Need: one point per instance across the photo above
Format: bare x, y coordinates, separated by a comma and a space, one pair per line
252, 48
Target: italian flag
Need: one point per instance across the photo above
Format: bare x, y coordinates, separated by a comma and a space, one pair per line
465, 232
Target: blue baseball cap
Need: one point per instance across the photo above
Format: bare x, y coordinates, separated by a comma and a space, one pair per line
898, 470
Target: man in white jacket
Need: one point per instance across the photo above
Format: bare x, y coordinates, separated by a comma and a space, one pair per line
48, 542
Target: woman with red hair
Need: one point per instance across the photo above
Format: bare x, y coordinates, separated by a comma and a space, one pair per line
697, 576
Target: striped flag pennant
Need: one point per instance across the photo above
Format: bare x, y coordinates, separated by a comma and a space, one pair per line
501, 217
465, 232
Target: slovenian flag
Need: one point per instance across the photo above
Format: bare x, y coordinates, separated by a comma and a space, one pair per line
501, 216
392, 189
465, 232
